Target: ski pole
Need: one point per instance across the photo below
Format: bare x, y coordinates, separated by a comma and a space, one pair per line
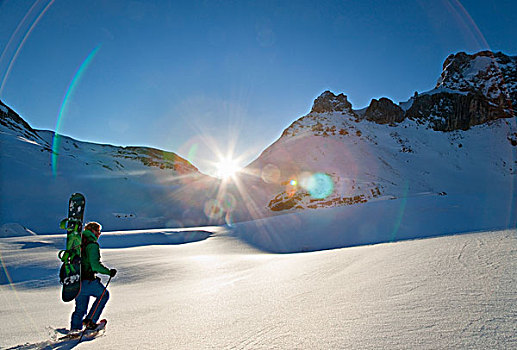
96, 306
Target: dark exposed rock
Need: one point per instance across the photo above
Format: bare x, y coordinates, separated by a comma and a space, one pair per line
328, 102
494, 75
472, 90
384, 111
446, 111
513, 139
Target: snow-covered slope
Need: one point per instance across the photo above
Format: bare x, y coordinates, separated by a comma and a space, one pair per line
429, 146
125, 187
448, 292
328, 159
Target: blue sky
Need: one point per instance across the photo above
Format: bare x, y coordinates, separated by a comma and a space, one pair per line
211, 78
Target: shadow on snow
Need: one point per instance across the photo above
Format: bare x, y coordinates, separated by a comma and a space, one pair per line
30, 275
55, 343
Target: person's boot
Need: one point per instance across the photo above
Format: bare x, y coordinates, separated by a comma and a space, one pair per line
89, 324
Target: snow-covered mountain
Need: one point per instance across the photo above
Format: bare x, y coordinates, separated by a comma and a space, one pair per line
472, 90
456, 142
126, 187
494, 75
457, 139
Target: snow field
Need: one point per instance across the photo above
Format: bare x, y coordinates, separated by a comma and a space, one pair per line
220, 293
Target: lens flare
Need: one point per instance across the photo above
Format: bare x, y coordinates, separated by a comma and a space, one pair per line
319, 185
270, 174
290, 186
228, 219
227, 168
11, 285
228, 202
400, 213
213, 209
193, 152
6, 272
77, 77
15, 56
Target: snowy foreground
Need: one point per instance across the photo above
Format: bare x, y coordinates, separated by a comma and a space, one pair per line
215, 291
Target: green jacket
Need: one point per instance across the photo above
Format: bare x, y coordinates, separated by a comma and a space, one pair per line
91, 257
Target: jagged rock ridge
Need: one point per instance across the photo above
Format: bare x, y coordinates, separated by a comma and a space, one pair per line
384, 111
472, 90
328, 102
492, 74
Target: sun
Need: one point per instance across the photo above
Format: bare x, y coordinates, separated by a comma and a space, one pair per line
227, 168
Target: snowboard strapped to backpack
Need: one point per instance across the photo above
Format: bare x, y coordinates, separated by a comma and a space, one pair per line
70, 272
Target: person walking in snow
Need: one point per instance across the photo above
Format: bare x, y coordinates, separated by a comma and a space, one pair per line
91, 285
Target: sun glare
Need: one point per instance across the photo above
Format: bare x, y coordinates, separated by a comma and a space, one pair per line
227, 168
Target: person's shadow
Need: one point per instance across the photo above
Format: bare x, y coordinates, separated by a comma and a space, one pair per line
56, 343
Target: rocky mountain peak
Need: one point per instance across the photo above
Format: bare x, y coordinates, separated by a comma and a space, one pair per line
328, 102
472, 90
384, 111
494, 75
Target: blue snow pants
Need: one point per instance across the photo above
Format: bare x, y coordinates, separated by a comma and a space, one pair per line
89, 289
